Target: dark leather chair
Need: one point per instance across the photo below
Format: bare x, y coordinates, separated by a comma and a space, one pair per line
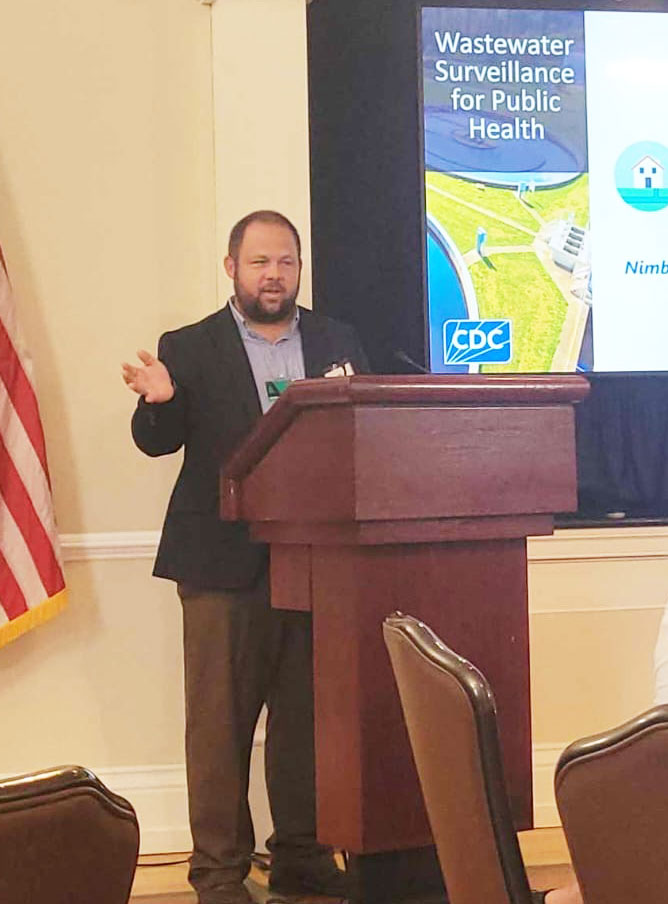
612, 794
65, 839
451, 719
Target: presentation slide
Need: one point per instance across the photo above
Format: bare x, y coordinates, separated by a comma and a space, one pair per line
546, 189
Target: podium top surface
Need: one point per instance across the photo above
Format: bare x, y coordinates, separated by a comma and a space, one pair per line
475, 390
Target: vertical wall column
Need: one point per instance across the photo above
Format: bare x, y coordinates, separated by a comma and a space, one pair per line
261, 117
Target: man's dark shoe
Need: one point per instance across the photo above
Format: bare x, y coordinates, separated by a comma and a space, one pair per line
315, 876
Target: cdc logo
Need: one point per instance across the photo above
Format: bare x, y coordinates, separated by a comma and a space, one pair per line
476, 341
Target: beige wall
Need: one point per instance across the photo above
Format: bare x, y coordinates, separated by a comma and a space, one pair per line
261, 116
108, 209
107, 223
596, 600
112, 214
106, 218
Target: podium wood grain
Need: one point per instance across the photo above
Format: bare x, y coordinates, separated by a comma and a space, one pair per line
385, 493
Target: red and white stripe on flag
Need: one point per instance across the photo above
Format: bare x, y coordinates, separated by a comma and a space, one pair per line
32, 587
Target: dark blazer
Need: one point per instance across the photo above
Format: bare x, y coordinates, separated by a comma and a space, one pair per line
214, 407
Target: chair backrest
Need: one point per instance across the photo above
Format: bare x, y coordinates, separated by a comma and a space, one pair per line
451, 719
65, 839
612, 794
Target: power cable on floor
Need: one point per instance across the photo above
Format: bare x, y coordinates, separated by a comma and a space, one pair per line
164, 862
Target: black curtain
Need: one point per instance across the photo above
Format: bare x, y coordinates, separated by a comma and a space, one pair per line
622, 446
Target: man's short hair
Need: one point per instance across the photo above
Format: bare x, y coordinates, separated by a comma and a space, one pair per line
259, 216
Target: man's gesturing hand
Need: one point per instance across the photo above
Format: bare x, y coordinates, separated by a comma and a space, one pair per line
151, 381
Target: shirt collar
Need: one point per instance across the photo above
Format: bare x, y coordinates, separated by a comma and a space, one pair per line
243, 324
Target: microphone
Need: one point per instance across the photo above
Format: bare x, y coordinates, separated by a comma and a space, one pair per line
401, 355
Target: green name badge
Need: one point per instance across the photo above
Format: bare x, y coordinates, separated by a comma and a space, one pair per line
275, 388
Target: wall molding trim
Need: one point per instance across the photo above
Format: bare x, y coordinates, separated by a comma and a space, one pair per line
158, 794
603, 544
160, 798
137, 544
569, 545
545, 758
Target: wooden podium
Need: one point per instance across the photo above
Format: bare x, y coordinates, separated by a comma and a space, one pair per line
410, 493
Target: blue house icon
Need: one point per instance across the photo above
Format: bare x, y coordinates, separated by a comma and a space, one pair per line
647, 173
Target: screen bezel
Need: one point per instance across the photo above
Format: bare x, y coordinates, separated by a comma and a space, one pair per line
638, 6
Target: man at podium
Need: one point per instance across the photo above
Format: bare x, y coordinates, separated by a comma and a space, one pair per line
204, 391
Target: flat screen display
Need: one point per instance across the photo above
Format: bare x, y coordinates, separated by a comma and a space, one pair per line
546, 189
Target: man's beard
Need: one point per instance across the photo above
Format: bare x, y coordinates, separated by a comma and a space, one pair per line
251, 306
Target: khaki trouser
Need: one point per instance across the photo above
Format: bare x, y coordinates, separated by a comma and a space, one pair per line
239, 654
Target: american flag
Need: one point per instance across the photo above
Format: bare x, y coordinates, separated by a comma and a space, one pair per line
32, 587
